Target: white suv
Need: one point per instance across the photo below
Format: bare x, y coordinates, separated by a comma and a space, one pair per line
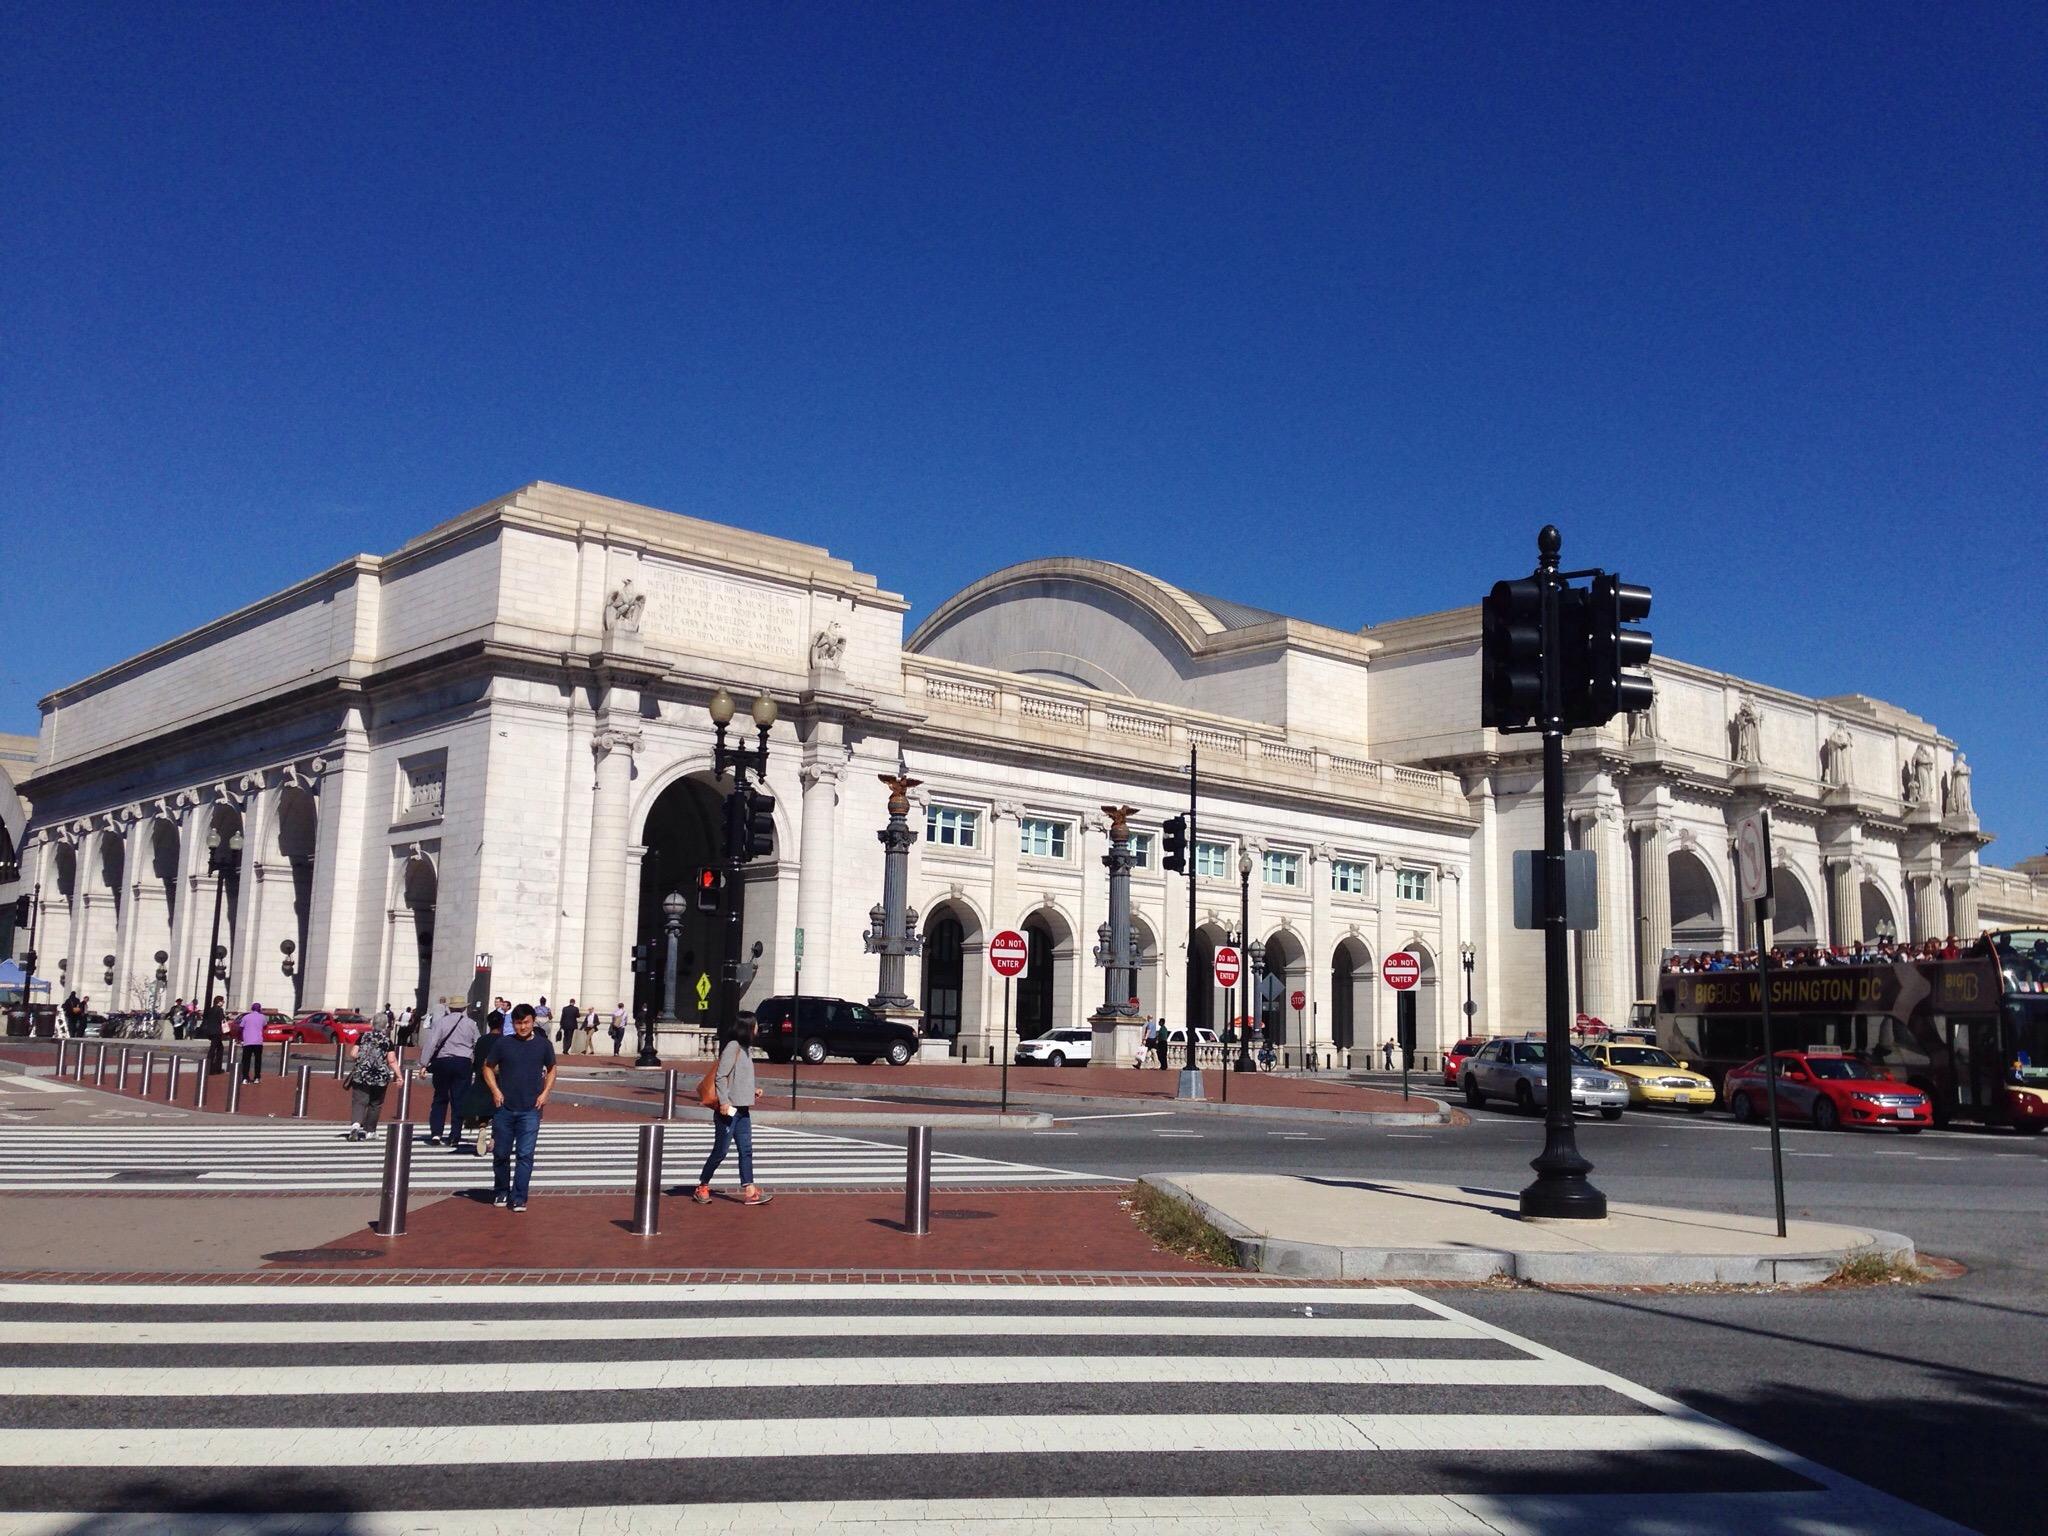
1056, 1048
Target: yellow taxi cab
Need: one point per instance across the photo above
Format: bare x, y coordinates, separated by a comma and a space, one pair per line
1653, 1076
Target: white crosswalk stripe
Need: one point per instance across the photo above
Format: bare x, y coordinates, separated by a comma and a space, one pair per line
307, 1157
921, 1409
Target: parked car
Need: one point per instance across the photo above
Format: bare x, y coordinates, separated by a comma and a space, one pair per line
832, 1026
1056, 1048
1456, 1057
316, 1026
1830, 1090
1518, 1070
1654, 1076
1177, 1037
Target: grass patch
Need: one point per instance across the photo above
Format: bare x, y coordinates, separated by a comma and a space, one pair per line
1873, 1268
1179, 1228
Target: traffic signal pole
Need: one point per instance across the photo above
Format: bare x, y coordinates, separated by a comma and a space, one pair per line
1561, 1188
1190, 1086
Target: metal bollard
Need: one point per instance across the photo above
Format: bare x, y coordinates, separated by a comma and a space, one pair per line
337, 1059
99, 1065
668, 1096
647, 1178
234, 1086
397, 1176
284, 1057
63, 1053
122, 1086
917, 1182
171, 1079
148, 1067
305, 1087
404, 1095
199, 1080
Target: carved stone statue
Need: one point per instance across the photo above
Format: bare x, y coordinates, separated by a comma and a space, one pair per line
1119, 821
900, 786
1642, 725
1834, 758
1919, 776
623, 608
828, 645
1956, 802
1747, 729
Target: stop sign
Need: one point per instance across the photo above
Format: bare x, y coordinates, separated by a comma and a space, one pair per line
1297, 1001
1228, 966
1402, 970
1008, 953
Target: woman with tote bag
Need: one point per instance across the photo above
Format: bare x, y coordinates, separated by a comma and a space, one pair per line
733, 1083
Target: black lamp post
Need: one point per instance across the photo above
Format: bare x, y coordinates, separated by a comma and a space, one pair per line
739, 760
1466, 954
163, 984
28, 960
223, 855
1255, 978
1244, 1062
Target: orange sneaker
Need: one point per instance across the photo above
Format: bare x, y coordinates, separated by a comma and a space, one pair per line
701, 1194
756, 1196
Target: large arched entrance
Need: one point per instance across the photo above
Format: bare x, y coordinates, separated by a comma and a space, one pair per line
1145, 983
1792, 919
1202, 965
412, 958
942, 996
1043, 996
1285, 971
682, 837
1428, 1015
1696, 921
1880, 917
1351, 996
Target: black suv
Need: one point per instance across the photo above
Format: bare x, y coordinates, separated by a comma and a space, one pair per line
832, 1027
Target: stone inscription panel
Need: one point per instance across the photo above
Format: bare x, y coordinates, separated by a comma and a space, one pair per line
712, 616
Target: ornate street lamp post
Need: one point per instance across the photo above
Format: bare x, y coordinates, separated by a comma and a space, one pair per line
1466, 954
223, 856
1244, 1062
740, 760
1255, 979
892, 926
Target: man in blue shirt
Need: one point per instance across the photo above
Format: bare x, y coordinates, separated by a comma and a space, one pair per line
519, 1069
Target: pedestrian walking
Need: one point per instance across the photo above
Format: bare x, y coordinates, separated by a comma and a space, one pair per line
566, 1035
618, 1030
1161, 1041
180, 1015
446, 1054
519, 1069
74, 1015
734, 1076
249, 1030
213, 1030
1151, 1041
495, 1019
390, 1021
1387, 1055
374, 1069
544, 1016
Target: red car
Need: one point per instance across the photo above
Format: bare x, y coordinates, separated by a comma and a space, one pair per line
318, 1027
1454, 1058
1830, 1089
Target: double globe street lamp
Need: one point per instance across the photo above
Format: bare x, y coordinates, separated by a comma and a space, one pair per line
744, 808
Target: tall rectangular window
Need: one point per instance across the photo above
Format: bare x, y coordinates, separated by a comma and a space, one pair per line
1411, 885
1212, 861
1141, 850
1347, 877
1282, 869
948, 826
1040, 838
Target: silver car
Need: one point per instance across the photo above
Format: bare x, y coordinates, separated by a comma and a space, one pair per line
1517, 1069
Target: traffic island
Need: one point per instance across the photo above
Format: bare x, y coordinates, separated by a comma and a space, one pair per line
1358, 1229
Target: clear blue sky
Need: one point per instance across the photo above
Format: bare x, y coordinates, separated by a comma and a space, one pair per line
1324, 308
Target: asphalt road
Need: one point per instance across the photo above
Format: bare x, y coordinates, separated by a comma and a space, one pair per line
1937, 1393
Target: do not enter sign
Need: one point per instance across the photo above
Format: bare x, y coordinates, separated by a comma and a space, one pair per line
1402, 970
1228, 966
1009, 954
1297, 1001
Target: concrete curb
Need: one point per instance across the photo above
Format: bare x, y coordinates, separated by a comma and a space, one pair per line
1300, 1259
1437, 1112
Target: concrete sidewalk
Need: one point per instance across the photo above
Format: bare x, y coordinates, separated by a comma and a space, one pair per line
1352, 1229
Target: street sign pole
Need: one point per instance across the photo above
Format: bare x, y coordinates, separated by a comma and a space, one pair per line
1006, 1046
1009, 956
1753, 874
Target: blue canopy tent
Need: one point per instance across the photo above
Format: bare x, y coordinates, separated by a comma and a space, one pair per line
11, 978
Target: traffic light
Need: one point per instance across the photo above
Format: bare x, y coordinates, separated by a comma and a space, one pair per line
643, 959
1511, 655
1617, 657
21, 911
1173, 838
735, 809
710, 882
760, 839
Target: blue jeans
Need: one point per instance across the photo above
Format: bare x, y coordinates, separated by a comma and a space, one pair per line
510, 1126
451, 1082
736, 1127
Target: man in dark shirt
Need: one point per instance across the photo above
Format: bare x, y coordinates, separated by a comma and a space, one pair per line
519, 1069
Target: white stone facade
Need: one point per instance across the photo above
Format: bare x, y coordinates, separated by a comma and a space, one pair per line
494, 741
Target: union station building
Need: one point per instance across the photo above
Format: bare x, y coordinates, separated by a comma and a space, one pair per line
495, 740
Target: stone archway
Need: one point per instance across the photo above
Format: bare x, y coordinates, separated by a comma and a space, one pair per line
1696, 913
1792, 914
1146, 982
1202, 966
1352, 996
1428, 1000
681, 837
1880, 916
1285, 971
1046, 996
412, 956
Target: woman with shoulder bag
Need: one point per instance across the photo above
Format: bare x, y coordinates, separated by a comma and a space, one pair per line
374, 1069
731, 1089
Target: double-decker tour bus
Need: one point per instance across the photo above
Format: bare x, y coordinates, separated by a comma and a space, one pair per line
1971, 1033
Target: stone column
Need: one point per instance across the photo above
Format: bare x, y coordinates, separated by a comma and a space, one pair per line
1927, 911
820, 777
1314, 1033
606, 898
1845, 902
1653, 884
1967, 923
1601, 948
1118, 1033
893, 932
332, 948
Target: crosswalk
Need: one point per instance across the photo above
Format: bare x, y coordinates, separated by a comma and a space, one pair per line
309, 1157
907, 1409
